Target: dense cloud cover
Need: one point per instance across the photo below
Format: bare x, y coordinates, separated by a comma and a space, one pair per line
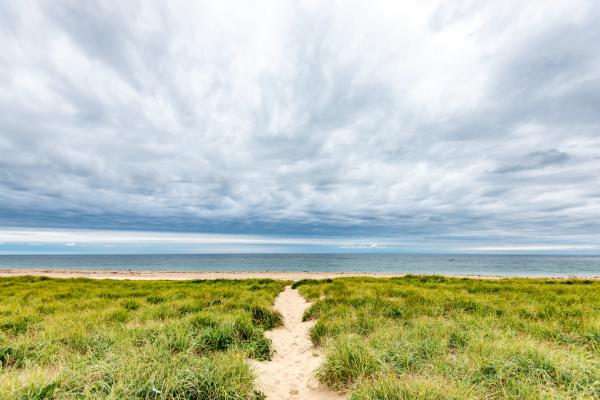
452, 123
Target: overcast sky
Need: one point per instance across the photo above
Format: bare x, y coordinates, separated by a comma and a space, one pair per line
300, 126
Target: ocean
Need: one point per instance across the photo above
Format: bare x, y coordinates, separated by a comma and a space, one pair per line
455, 264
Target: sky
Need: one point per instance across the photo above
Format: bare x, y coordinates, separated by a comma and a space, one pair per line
299, 126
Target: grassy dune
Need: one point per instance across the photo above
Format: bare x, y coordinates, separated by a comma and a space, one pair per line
440, 338
387, 339
107, 339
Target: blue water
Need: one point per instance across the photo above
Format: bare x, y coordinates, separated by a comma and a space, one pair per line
507, 265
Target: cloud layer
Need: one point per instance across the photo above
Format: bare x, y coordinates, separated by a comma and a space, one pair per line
449, 122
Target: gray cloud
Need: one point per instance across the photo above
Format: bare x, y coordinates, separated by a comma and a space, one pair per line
536, 160
285, 117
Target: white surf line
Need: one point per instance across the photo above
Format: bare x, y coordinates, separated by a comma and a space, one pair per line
290, 374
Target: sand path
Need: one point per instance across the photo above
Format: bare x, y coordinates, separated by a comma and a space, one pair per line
290, 374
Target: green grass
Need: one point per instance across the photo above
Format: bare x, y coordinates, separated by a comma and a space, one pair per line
108, 339
442, 338
386, 339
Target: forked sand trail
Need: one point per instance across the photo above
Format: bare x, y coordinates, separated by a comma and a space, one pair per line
290, 374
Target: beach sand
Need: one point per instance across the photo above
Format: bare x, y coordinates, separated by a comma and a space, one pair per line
190, 275
172, 275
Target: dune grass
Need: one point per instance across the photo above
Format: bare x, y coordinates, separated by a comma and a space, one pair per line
441, 338
109, 339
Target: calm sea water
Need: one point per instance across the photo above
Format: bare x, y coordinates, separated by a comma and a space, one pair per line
509, 265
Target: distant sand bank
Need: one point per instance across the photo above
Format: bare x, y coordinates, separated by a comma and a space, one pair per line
188, 275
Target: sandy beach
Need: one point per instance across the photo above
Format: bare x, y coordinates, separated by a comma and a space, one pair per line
176, 275
191, 275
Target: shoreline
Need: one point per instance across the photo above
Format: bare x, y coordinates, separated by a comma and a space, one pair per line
191, 275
